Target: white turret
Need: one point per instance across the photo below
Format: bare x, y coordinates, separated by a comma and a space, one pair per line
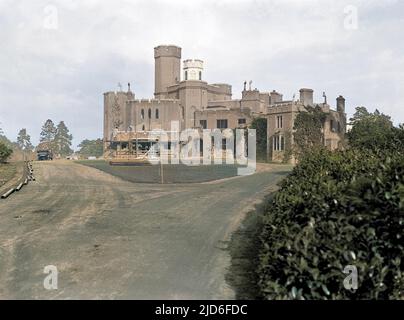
193, 69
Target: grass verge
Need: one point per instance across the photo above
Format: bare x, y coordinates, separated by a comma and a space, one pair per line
7, 172
244, 250
172, 173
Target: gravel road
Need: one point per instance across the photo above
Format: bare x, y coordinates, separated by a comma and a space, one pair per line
113, 239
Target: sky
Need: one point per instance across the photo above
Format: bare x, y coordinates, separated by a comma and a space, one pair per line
57, 58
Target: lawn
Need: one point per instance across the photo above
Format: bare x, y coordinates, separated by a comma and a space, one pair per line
7, 172
172, 173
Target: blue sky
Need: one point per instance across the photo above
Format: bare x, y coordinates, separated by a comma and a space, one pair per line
58, 57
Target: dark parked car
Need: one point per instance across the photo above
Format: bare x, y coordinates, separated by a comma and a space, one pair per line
44, 155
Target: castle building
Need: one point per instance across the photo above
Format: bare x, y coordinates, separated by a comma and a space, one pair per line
280, 122
186, 98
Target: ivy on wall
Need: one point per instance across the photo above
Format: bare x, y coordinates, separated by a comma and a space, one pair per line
308, 130
260, 125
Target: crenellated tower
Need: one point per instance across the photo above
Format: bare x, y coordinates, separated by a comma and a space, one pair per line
167, 59
193, 69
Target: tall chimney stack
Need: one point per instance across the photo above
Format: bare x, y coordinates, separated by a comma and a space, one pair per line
306, 96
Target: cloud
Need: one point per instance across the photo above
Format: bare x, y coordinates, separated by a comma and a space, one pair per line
61, 73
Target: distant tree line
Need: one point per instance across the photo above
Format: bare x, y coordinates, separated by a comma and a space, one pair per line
91, 148
56, 138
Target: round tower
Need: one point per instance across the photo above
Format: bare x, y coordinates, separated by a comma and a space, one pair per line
193, 69
167, 59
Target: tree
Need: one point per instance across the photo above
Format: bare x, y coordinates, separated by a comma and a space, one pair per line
5, 152
308, 130
91, 148
6, 147
48, 132
370, 130
63, 140
5, 141
24, 140
397, 141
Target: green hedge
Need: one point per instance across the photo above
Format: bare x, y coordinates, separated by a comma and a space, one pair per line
336, 209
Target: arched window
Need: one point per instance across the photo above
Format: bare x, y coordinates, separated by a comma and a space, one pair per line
157, 113
186, 75
278, 143
142, 113
200, 75
149, 113
143, 128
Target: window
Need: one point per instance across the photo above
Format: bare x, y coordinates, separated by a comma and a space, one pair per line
222, 124
149, 113
224, 144
278, 143
157, 113
241, 121
186, 75
339, 126
200, 75
332, 125
142, 113
143, 128
279, 122
204, 124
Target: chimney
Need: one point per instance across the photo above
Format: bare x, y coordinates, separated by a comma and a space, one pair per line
306, 97
341, 104
275, 97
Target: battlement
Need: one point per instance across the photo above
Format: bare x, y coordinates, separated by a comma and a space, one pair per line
193, 63
193, 69
220, 88
153, 102
167, 51
115, 93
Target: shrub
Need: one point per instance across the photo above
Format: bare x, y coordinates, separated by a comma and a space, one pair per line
336, 209
5, 152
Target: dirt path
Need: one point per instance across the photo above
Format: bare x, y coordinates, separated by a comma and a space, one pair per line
115, 239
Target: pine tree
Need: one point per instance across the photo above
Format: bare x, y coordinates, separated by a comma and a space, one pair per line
63, 140
48, 132
24, 140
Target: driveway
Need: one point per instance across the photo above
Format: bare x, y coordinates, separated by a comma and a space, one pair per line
113, 239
